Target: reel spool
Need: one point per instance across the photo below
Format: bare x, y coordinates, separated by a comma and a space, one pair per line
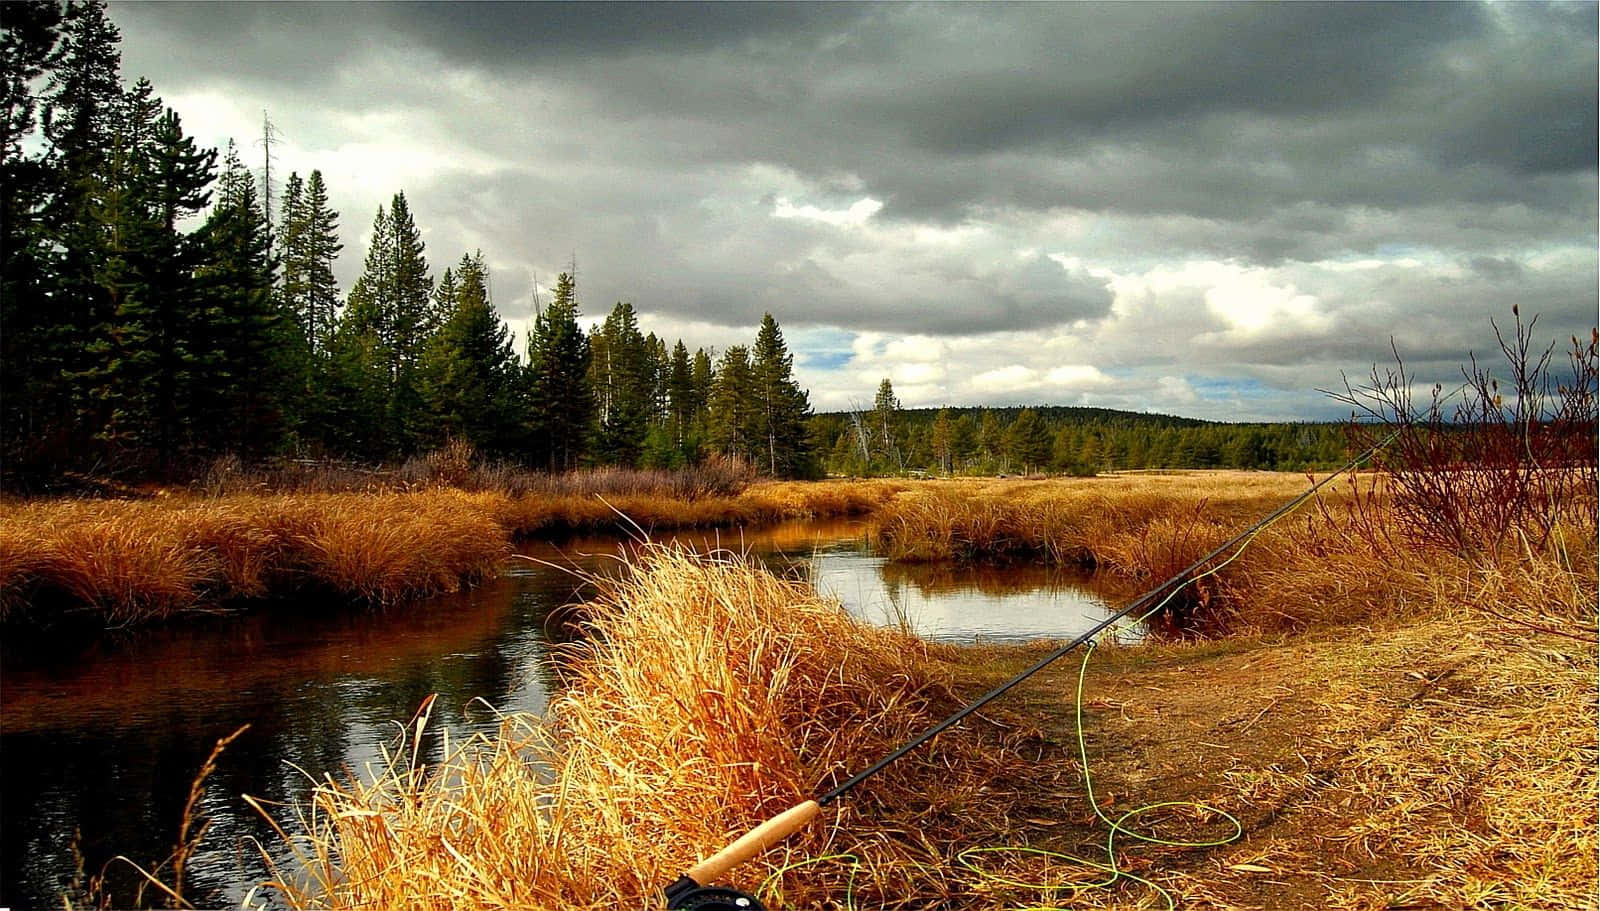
688, 895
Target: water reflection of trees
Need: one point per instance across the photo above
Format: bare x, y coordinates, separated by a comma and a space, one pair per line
108, 743
930, 579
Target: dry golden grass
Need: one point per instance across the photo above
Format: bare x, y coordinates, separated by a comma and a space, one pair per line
1333, 561
121, 562
710, 695
1397, 727
1432, 756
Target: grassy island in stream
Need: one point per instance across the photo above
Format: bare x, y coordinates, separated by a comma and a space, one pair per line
1395, 725
121, 562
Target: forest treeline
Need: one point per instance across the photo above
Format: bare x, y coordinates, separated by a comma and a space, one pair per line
158, 311
889, 440
156, 316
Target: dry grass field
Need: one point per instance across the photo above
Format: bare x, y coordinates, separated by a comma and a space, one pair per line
1393, 724
123, 562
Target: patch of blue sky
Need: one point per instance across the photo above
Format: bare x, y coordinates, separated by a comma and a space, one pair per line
821, 347
1239, 387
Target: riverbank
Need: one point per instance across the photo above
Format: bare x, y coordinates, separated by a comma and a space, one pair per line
1431, 755
1341, 557
116, 563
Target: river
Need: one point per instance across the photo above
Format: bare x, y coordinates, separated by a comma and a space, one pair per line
99, 741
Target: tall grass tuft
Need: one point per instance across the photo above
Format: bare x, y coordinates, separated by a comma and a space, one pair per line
709, 695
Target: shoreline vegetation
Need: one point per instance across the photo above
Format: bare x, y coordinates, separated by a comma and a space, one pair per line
1393, 721
124, 562
1394, 725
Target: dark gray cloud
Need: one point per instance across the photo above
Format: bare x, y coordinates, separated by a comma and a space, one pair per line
1205, 175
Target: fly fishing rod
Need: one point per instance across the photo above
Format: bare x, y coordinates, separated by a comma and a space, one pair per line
694, 889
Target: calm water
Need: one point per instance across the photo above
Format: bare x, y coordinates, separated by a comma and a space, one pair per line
103, 740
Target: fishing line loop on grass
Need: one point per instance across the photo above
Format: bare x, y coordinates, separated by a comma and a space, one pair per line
1120, 825
850, 885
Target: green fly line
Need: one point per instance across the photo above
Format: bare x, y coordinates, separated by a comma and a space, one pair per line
1111, 868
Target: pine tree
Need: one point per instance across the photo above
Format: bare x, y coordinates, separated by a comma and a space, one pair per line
468, 372
700, 378
732, 407
353, 390
392, 302
622, 377
248, 351
174, 177
942, 440
885, 426
1028, 441
316, 249
289, 238
782, 407
680, 394
29, 394
991, 439
558, 387
82, 107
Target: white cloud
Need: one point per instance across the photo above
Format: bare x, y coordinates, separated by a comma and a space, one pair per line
1077, 376
1011, 378
855, 216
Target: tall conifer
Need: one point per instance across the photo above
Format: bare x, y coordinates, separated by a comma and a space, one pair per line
558, 381
782, 407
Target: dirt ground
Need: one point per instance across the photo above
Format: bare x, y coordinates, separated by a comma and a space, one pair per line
1442, 765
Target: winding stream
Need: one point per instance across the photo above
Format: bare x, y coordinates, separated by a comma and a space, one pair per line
103, 739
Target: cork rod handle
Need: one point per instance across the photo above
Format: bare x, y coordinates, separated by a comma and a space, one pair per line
754, 842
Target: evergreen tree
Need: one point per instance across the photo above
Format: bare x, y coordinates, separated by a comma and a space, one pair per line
658, 363
782, 407
885, 426
622, 376
700, 378
353, 387
942, 440
248, 351
171, 181
1090, 454
82, 108
680, 393
559, 395
991, 439
468, 372
964, 440
392, 302
315, 248
1028, 440
29, 394
732, 407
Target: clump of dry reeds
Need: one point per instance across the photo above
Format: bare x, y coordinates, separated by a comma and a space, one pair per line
1137, 530
120, 562
459, 465
709, 695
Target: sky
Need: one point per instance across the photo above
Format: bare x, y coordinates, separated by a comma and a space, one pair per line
1207, 210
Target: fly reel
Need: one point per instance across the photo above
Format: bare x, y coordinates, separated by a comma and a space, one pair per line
688, 895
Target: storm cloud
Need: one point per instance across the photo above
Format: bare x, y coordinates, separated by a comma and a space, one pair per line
1201, 208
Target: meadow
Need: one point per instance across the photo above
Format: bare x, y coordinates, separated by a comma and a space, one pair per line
1395, 722
1392, 724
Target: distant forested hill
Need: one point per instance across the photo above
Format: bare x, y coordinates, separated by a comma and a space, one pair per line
1059, 439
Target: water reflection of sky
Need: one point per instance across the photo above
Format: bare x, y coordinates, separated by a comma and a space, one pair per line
105, 738
950, 604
